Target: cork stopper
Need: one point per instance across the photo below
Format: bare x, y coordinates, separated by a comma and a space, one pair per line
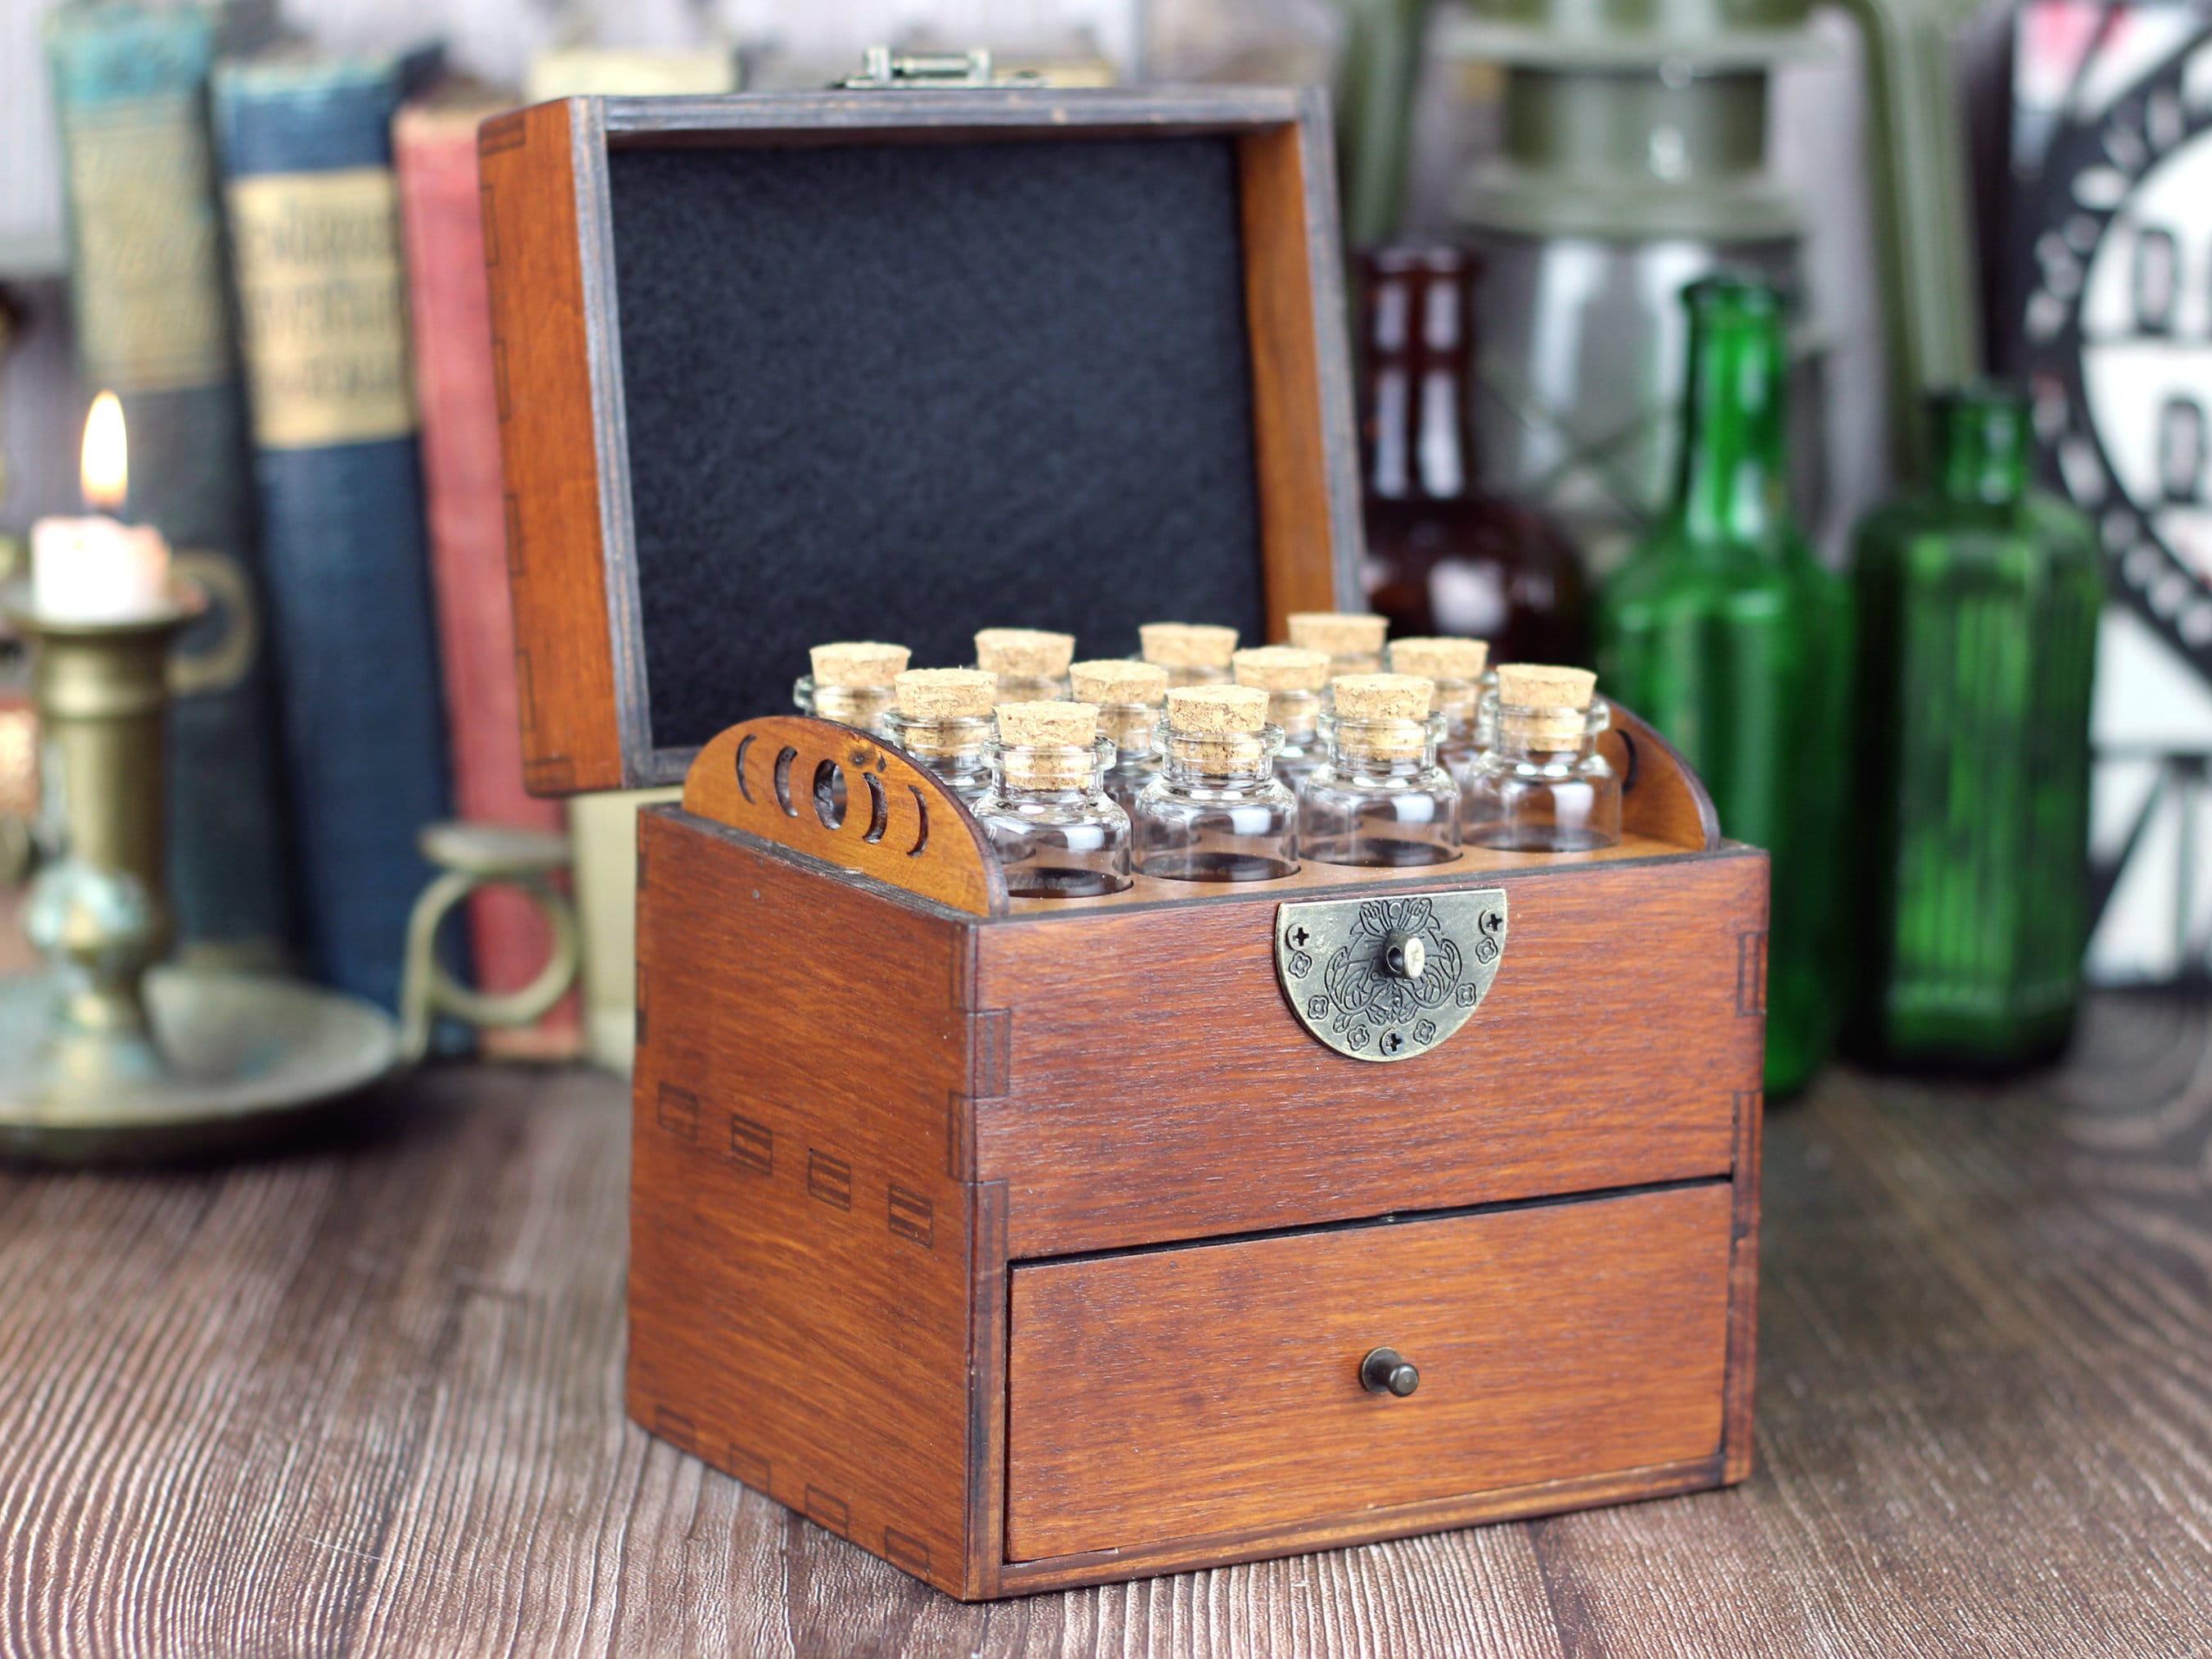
1282, 668
1395, 705
945, 693
1187, 645
1440, 659
1339, 633
1218, 727
1023, 653
1048, 744
1216, 710
1544, 707
1381, 696
1111, 681
858, 664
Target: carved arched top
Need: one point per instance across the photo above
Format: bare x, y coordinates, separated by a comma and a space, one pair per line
1661, 797
837, 793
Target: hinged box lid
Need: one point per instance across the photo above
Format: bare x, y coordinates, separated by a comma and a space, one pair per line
781, 368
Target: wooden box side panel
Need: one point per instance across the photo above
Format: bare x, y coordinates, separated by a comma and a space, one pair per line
1158, 1086
799, 1221
542, 370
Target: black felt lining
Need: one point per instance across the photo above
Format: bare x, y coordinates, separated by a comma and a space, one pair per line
901, 392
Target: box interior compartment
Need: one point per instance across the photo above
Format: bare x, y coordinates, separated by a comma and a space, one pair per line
884, 389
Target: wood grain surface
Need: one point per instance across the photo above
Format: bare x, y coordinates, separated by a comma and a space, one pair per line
541, 315
366, 1397
800, 1215
1161, 1394
1609, 1052
837, 795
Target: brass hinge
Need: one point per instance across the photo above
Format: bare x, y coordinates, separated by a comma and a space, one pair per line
882, 69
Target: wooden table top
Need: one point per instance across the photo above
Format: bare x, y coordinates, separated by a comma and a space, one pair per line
366, 1396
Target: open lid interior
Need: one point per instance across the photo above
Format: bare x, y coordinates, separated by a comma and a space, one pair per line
898, 367
903, 391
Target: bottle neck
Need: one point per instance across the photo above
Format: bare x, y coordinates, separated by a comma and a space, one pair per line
1225, 761
1298, 713
1418, 446
1733, 487
1049, 771
1383, 749
1982, 444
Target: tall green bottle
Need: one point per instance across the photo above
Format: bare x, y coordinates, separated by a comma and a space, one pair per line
1979, 600
1725, 632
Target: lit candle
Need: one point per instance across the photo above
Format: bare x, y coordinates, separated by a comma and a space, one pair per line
96, 569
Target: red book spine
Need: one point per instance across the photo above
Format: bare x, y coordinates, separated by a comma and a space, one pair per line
435, 144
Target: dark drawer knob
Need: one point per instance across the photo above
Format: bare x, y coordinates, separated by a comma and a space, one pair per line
1388, 1372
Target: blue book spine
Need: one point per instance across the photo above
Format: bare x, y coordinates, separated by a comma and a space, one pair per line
153, 317
306, 150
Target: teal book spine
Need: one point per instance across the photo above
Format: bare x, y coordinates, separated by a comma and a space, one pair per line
306, 152
154, 325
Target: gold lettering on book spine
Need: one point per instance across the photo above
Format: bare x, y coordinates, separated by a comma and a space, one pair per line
323, 298
148, 261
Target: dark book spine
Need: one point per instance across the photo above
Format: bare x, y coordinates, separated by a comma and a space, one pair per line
307, 161
153, 325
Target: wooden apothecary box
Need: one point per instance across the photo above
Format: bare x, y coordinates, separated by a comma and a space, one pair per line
1029, 1244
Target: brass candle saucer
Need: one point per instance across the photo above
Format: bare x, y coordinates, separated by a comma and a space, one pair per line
106, 1056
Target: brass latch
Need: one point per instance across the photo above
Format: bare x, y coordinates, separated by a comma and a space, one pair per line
1388, 979
882, 69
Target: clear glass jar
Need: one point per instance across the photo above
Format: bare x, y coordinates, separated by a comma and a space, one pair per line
1380, 801
1216, 812
1057, 832
1541, 786
1192, 654
952, 747
1353, 640
1133, 729
1297, 715
866, 706
1034, 688
1460, 702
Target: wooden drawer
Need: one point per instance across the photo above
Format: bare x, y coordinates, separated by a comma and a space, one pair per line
1211, 1388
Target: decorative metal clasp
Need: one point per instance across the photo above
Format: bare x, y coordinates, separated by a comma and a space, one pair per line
882, 69
1387, 979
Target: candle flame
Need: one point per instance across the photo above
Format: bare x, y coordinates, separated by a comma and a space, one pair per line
105, 469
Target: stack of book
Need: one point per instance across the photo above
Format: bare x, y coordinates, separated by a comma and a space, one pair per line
328, 470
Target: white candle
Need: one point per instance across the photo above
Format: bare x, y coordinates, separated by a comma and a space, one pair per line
96, 569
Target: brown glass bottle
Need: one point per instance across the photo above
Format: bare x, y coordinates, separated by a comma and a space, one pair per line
1443, 556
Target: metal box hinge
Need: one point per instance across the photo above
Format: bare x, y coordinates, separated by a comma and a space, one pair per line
882, 69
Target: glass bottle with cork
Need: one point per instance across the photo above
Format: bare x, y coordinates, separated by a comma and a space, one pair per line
1351, 640
1294, 680
1541, 785
1192, 653
1057, 832
851, 683
1031, 663
1445, 556
1459, 669
1725, 632
943, 720
1978, 603
1216, 812
1127, 696
1381, 799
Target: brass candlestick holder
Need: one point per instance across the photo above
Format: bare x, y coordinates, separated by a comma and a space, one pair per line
107, 1054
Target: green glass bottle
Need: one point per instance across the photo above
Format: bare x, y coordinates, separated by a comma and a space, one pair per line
1979, 600
1725, 632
